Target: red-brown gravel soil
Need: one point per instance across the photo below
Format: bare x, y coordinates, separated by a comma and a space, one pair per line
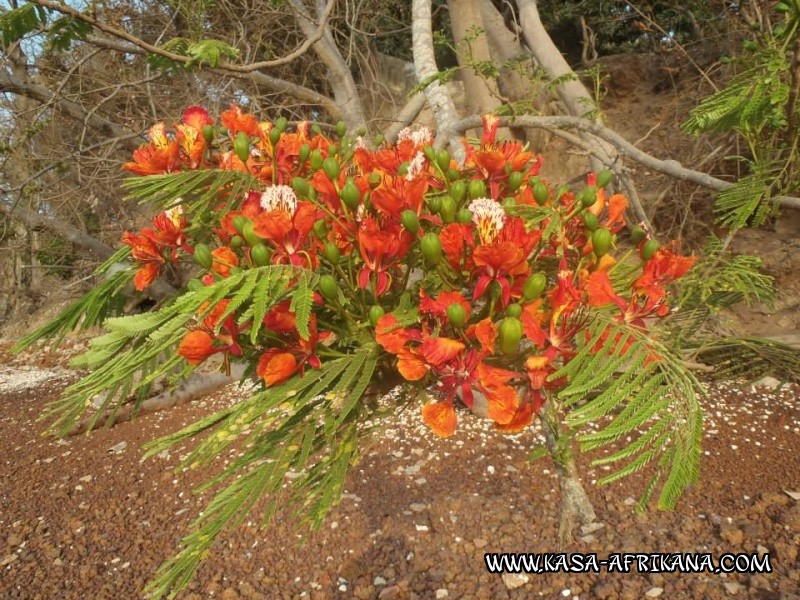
80, 520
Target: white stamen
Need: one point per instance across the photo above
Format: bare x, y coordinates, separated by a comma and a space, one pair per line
279, 197
420, 137
489, 217
175, 213
415, 166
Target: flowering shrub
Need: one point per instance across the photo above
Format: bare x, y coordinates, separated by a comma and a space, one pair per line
478, 281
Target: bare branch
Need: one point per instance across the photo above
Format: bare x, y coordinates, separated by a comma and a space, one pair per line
667, 167
406, 115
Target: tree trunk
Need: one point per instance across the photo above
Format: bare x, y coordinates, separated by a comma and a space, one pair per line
576, 507
444, 111
481, 93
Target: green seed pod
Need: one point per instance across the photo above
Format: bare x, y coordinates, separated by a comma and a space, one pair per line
601, 241
515, 179
456, 315
448, 210
305, 152
237, 242
341, 129
194, 285
331, 253
361, 131
316, 159
350, 194
409, 220
274, 136
249, 234
476, 189
320, 228
452, 174
434, 204
604, 178
374, 179
591, 221
260, 254
300, 186
509, 334
281, 123
534, 286
378, 140
540, 193
649, 249
375, 312
328, 287
316, 129
208, 133
514, 310
637, 235
588, 196
458, 189
202, 256
561, 190
241, 146
443, 160
429, 153
331, 167
431, 247
238, 222
464, 216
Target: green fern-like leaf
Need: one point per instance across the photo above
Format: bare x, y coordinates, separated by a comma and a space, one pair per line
285, 431
652, 398
302, 301
749, 358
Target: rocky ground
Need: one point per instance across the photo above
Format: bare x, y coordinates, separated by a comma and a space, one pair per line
84, 518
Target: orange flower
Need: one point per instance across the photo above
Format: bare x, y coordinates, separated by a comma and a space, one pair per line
501, 397
235, 121
439, 350
600, 292
196, 346
411, 364
438, 307
496, 262
520, 420
275, 366
485, 331
146, 251
224, 259
440, 417
159, 156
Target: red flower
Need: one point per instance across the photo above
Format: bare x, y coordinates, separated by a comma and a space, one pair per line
381, 249
146, 251
235, 121
287, 229
224, 259
196, 346
440, 417
438, 307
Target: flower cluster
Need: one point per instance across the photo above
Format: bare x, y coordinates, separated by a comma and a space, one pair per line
503, 271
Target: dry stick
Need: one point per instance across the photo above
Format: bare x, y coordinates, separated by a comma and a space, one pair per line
406, 115
668, 167
195, 386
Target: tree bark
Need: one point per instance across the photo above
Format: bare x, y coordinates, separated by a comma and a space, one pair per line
576, 507
444, 111
482, 94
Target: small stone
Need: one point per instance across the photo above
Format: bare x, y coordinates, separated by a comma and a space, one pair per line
379, 581
732, 536
591, 527
732, 587
442, 593
479, 542
514, 580
792, 495
418, 506
389, 593
654, 592
421, 527
762, 550
629, 501
588, 539
86, 478
8, 559
117, 448
566, 592
603, 590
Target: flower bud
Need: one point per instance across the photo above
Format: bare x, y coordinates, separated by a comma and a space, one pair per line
375, 312
328, 287
300, 186
241, 146
591, 221
534, 286
281, 123
514, 310
458, 189
274, 136
456, 315
515, 180
331, 253
260, 254
341, 129
409, 220
320, 228
637, 235
604, 178
509, 334
601, 241
448, 210
237, 242
464, 216
443, 160
316, 159
431, 247
238, 222
476, 189
331, 167
649, 249
202, 255
305, 152
540, 193
350, 194
208, 133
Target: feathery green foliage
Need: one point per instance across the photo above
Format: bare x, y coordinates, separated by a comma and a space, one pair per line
105, 299
749, 358
653, 397
306, 429
19, 22
139, 349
